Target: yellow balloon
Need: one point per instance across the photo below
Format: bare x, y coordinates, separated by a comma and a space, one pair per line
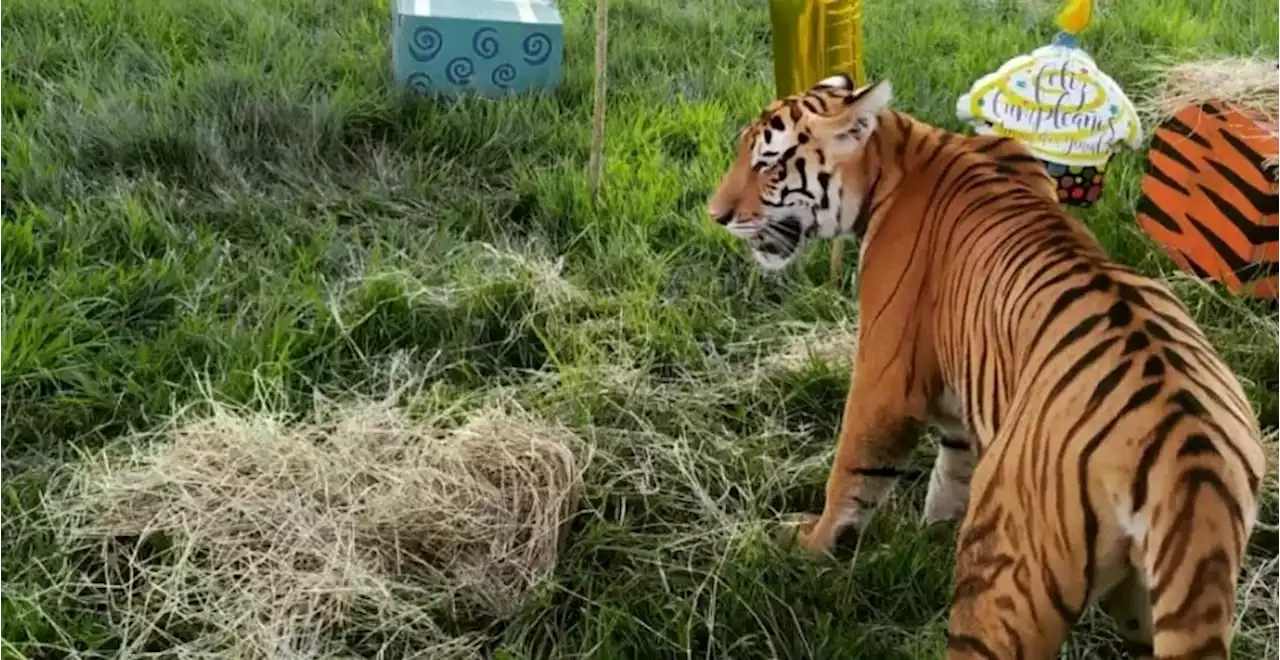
813, 39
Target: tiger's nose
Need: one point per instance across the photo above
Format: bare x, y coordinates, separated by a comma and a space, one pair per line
723, 217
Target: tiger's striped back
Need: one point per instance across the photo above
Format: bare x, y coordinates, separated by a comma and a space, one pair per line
1095, 444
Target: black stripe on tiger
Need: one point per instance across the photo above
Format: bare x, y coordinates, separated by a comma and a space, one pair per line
880, 472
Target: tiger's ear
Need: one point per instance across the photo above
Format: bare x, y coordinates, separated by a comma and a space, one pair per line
838, 81
847, 129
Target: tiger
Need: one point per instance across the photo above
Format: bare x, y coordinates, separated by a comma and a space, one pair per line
1093, 446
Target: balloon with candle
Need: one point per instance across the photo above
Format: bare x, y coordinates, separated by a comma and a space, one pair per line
1056, 101
813, 39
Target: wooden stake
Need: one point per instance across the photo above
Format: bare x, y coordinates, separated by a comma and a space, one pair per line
595, 167
837, 260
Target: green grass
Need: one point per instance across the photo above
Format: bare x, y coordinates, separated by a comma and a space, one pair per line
221, 198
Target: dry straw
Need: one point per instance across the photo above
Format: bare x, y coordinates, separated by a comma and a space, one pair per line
1250, 85
359, 534
835, 344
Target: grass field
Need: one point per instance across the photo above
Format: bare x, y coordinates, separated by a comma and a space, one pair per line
224, 198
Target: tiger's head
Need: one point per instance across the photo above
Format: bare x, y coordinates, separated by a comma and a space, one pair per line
786, 183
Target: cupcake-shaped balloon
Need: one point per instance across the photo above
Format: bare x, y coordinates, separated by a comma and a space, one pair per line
1057, 102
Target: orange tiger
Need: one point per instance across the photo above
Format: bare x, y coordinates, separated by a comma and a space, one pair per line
1094, 443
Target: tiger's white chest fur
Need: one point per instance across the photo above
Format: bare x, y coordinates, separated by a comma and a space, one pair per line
828, 221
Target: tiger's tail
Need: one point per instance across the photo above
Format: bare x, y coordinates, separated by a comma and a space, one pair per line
1194, 552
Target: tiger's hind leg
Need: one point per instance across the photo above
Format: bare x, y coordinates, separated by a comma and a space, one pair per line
1002, 604
1129, 604
948, 495
1011, 594
1193, 554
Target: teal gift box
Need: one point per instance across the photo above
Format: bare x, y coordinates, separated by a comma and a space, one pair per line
489, 47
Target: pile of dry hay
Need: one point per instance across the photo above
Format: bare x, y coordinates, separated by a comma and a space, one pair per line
361, 533
1250, 85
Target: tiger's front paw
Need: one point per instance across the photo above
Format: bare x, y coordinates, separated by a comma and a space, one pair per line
793, 527
798, 529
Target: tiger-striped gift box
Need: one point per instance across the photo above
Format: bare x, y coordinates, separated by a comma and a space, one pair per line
487, 47
1209, 195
